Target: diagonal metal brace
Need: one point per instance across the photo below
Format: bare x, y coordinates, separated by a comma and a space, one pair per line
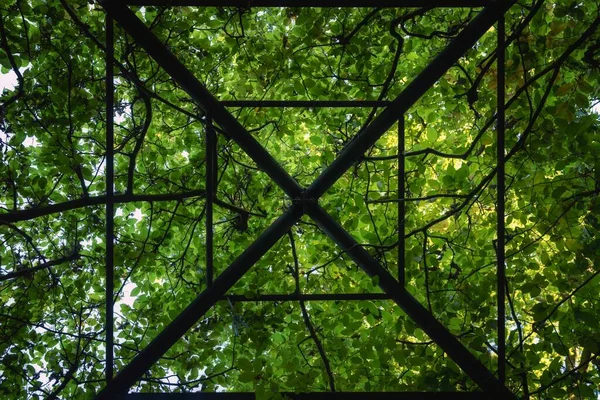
199, 306
427, 322
465, 40
175, 68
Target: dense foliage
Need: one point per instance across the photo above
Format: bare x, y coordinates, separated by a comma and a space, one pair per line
52, 186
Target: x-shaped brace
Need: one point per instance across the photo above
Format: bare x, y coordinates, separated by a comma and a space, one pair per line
305, 200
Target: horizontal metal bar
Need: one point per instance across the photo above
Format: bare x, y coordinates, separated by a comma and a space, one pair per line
310, 396
413, 92
427, 322
310, 3
305, 103
199, 306
311, 297
188, 82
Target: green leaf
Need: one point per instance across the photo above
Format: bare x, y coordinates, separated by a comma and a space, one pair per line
432, 133
316, 140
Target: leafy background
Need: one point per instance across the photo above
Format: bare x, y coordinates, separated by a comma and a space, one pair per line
52, 186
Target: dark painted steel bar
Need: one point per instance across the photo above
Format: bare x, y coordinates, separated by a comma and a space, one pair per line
310, 396
401, 204
501, 191
310, 297
200, 305
305, 103
427, 322
465, 40
310, 3
188, 82
210, 155
110, 200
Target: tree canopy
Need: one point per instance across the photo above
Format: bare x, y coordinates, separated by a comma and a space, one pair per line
53, 195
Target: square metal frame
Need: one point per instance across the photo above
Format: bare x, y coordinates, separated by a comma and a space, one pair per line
305, 200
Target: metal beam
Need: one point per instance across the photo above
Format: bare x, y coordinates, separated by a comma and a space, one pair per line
310, 3
427, 322
188, 82
500, 198
199, 306
110, 201
401, 204
305, 103
310, 396
417, 88
310, 297
210, 155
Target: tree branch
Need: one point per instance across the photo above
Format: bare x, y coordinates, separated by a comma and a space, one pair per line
26, 215
306, 317
72, 257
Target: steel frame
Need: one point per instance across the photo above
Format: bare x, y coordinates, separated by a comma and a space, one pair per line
310, 3
308, 396
110, 207
305, 200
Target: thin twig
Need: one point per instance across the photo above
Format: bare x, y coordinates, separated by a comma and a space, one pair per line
306, 317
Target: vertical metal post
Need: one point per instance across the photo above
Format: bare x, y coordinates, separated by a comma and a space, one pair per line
500, 208
211, 154
109, 198
401, 202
